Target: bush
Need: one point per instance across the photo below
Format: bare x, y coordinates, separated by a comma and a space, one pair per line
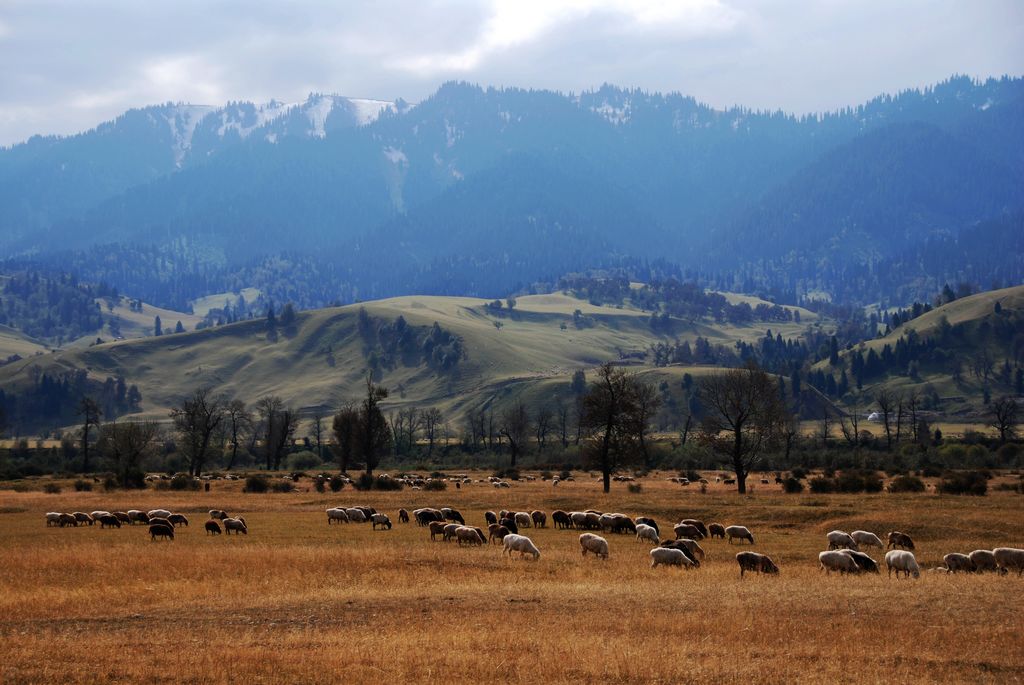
508, 474
257, 484
282, 486
964, 483
435, 485
51, 489
183, 481
822, 485
304, 461
792, 486
83, 486
798, 473
336, 484
387, 484
906, 484
1008, 453
320, 484
634, 488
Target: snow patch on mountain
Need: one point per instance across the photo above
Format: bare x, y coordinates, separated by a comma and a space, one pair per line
263, 114
368, 111
318, 112
183, 120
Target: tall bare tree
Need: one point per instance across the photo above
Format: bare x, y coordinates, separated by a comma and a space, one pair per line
431, 419
542, 425
613, 419
744, 416
125, 444
89, 411
562, 422
373, 438
515, 426
887, 406
850, 425
344, 426
195, 421
318, 434
278, 422
1004, 414
645, 402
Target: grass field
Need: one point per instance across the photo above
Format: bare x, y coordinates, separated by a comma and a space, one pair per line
298, 601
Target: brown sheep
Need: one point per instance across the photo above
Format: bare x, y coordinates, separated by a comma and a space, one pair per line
212, 527
67, 520
122, 516
497, 531
403, 516
178, 520
716, 530
698, 524
758, 563
540, 519
109, 520
898, 539
436, 528
82, 517
161, 530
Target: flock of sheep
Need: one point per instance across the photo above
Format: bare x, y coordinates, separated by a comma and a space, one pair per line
161, 522
843, 555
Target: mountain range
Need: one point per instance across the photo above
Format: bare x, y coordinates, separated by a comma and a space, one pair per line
482, 191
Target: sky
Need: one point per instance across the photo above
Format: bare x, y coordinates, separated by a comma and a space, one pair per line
67, 66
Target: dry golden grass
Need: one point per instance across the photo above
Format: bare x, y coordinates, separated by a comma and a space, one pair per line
298, 601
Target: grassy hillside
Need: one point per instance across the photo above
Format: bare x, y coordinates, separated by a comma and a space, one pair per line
15, 342
320, 361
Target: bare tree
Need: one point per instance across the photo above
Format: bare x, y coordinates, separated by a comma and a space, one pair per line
373, 439
542, 425
900, 413
515, 426
344, 427
278, 423
125, 444
1004, 415
562, 422
430, 419
196, 420
744, 417
646, 403
239, 422
913, 403
886, 405
89, 410
613, 418
851, 425
825, 426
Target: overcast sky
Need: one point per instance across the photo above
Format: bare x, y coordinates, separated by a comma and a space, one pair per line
66, 66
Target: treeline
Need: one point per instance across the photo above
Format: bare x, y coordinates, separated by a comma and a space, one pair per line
52, 399
57, 308
387, 344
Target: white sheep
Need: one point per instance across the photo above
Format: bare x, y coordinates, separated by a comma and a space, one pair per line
450, 531
837, 561
646, 532
664, 556
695, 549
739, 532
470, 535
219, 514
356, 515
382, 520
984, 560
523, 519
334, 514
158, 513
837, 539
98, 514
902, 560
595, 544
578, 518
137, 516
52, 518
236, 524
867, 539
521, 544
1009, 558
957, 562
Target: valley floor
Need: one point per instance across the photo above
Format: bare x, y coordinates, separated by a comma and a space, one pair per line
297, 600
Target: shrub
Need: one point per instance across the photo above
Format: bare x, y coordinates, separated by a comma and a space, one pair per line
435, 485
387, 484
964, 483
798, 473
110, 483
282, 486
634, 488
1008, 453
257, 484
792, 486
509, 474
303, 461
336, 484
320, 484
822, 485
566, 473
51, 489
83, 486
906, 484
183, 481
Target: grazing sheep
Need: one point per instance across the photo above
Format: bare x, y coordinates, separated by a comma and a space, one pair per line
403, 516
367, 512
1009, 558
470, 535
984, 560
425, 516
900, 560
867, 539
68, 520
863, 561
957, 562
236, 524
497, 531
523, 519
136, 516
219, 514
593, 520
646, 532
898, 539
837, 561
436, 528
759, 563
648, 521
521, 544
336, 514
666, 556
97, 514
540, 519
382, 520
716, 530
356, 515
509, 523
698, 524
178, 520
82, 517
490, 517
690, 547
837, 539
449, 531
606, 521
579, 519
452, 515
158, 519
52, 518
158, 513
108, 520
595, 544
212, 527
161, 530
739, 532
685, 530
561, 519
622, 524
122, 516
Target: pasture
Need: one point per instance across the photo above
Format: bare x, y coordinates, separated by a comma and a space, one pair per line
297, 600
